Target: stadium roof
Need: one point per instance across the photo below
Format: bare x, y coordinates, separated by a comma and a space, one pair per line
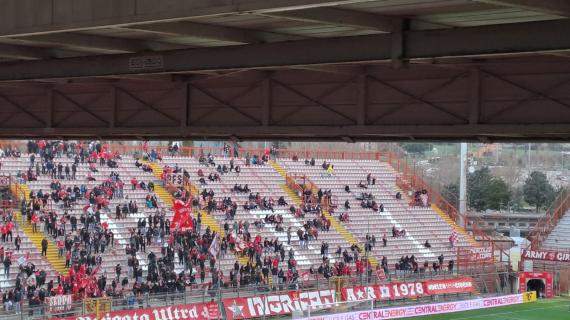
59, 42
46, 30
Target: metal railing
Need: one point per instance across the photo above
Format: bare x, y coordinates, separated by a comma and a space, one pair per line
203, 295
547, 223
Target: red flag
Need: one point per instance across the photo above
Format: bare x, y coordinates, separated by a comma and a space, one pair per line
181, 219
240, 244
95, 271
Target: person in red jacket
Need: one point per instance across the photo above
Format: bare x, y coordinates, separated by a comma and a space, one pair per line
60, 247
35, 220
68, 259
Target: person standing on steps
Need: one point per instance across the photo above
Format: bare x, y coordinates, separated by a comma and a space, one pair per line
44, 247
7, 262
73, 170
18, 242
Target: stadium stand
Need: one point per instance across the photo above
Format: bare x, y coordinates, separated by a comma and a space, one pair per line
263, 180
551, 231
558, 238
110, 213
420, 223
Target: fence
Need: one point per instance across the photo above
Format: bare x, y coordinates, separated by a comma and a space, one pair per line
559, 269
81, 306
547, 223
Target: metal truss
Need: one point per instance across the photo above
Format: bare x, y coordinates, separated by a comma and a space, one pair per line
486, 101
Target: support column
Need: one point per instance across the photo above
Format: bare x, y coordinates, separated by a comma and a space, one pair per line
463, 183
475, 96
50, 110
266, 104
186, 106
398, 50
362, 99
114, 101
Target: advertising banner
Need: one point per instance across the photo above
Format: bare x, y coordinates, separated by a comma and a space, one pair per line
277, 304
197, 311
407, 290
59, 303
475, 255
447, 286
175, 179
424, 310
545, 255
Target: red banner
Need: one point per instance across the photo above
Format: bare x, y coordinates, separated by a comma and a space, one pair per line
197, 311
546, 255
447, 286
407, 290
475, 255
380, 274
376, 292
181, 219
391, 291
277, 304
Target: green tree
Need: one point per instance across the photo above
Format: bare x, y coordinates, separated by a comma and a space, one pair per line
477, 183
486, 191
418, 148
498, 194
538, 191
517, 199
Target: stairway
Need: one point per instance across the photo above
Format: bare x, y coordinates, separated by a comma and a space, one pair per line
52, 256
348, 237
457, 228
207, 219
156, 169
163, 194
291, 194
166, 197
278, 168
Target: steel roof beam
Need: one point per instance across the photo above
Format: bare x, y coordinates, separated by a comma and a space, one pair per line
484, 132
556, 7
341, 17
461, 42
23, 52
88, 41
67, 16
205, 31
